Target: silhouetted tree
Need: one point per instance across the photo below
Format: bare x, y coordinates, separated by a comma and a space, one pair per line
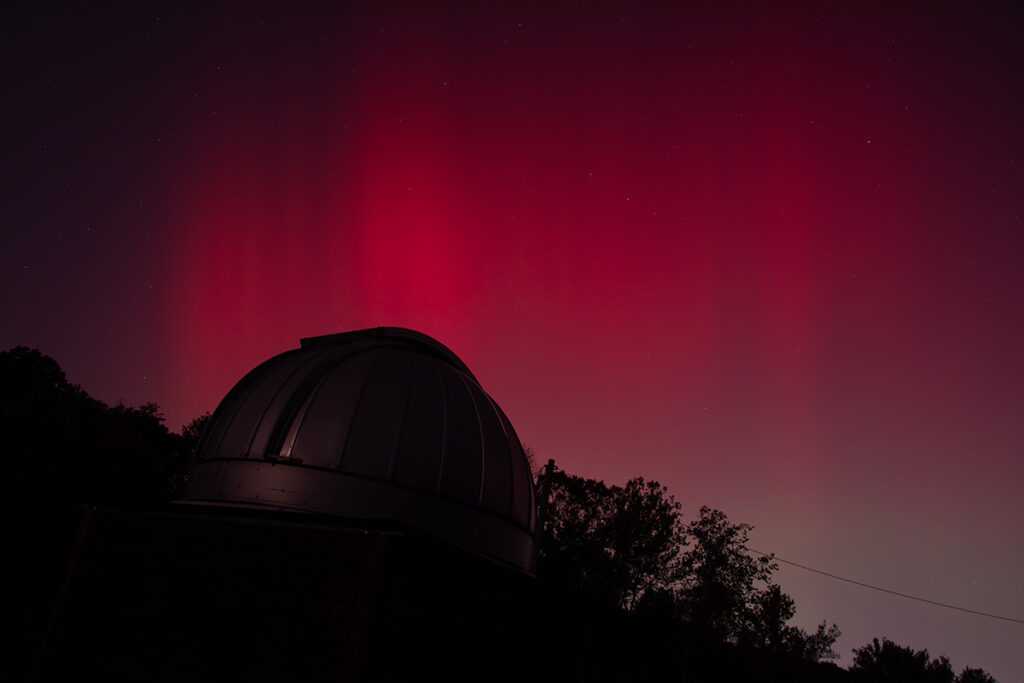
969, 675
627, 547
192, 432
64, 449
722, 577
769, 629
819, 645
887, 661
769, 615
73, 449
615, 544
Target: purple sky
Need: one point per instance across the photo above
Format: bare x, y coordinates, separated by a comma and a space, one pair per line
770, 258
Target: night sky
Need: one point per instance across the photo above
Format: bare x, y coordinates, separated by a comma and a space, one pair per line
770, 258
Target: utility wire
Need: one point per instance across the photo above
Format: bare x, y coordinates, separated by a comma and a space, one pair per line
886, 590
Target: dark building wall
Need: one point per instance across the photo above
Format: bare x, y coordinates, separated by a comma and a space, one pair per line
207, 594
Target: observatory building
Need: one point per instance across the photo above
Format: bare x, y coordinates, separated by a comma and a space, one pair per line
359, 509
381, 424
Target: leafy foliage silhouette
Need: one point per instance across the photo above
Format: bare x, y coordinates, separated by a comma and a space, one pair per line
628, 548
67, 450
969, 675
614, 544
723, 577
78, 448
191, 433
886, 661
768, 629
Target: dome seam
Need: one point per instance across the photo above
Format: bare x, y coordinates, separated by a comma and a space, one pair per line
355, 411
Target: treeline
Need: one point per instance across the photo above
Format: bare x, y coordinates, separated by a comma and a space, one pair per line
65, 443
641, 594
695, 589
629, 548
64, 449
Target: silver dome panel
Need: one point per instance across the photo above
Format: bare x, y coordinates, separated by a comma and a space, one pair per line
382, 424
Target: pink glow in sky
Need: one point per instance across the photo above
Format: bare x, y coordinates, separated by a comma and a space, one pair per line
770, 258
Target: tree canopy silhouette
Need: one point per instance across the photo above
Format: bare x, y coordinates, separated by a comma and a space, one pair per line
67, 449
628, 547
614, 544
969, 675
77, 447
721, 592
768, 629
886, 661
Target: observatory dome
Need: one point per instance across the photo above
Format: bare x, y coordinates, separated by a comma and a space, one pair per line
378, 424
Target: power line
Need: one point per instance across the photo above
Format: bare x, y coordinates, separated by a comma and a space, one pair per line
886, 590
